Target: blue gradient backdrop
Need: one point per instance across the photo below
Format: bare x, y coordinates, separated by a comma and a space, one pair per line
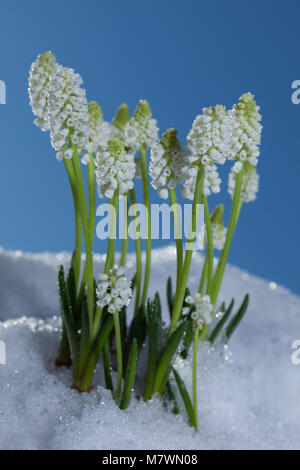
181, 56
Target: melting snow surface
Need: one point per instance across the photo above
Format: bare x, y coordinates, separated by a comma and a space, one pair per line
248, 402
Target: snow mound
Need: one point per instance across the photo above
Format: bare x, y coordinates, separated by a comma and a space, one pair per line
249, 402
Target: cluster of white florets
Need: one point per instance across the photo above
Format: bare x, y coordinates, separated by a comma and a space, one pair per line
115, 169
113, 290
208, 139
67, 113
250, 182
207, 142
245, 130
39, 84
167, 164
141, 129
200, 308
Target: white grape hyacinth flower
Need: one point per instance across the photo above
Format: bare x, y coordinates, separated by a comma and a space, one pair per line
201, 308
141, 129
209, 137
38, 87
68, 115
113, 290
167, 163
250, 182
245, 130
115, 169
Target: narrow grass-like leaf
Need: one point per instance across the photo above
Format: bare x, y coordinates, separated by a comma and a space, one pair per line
95, 351
167, 356
219, 326
66, 312
187, 340
237, 317
84, 346
172, 398
71, 285
152, 314
130, 375
170, 295
157, 305
185, 398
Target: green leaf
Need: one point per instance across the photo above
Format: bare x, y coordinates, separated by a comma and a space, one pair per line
165, 361
218, 328
170, 295
130, 375
95, 351
138, 329
153, 317
185, 398
237, 317
172, 397
71, 285
187, 340
157, 304
84, 338
66, 312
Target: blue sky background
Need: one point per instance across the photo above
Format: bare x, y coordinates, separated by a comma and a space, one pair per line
181, 56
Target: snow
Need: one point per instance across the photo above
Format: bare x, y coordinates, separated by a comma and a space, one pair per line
248, 402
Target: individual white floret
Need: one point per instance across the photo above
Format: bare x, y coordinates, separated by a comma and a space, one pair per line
115, 169
245, 130
67, 113
167, 163
250, 182
141, 129
113, 290
201, 307
39, 84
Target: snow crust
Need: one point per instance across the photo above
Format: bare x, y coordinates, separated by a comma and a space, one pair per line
247, 401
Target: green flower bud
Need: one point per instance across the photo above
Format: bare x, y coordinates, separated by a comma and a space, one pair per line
95, 111
142, 111
122, 117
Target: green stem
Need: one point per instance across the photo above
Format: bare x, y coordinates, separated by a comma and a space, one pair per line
119, 353
138, 251
78, 229
195, 352
92, 215
178, 235
235, 209
125, 240
210, 248
87, 235
143, 155
179, 298
203, 276
114, 202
